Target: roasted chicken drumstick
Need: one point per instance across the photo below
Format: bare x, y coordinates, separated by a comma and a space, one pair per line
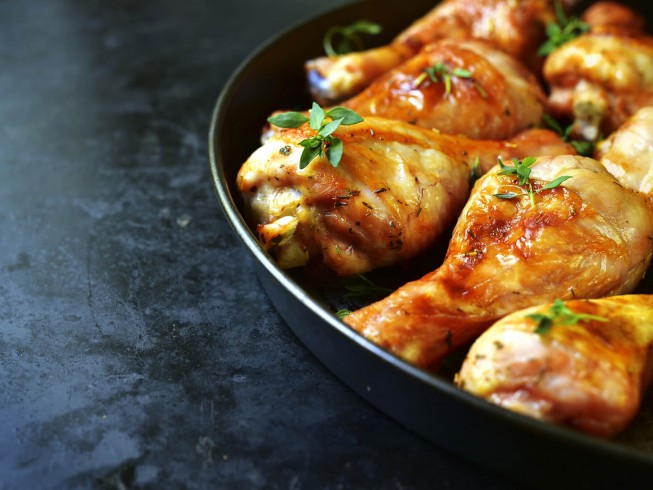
588, 369
516, 27
585, 238
468, 88
601, 78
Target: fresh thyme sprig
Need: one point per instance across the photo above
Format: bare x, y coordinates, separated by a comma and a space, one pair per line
348, 37
323, 143
561, 315
440, 73
522, 169
585, 148
562, 31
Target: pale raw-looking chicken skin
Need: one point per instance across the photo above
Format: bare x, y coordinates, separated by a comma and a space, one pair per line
589, 237
516, 27
600, 79
628, 152
591, 375
499, 98
397, 188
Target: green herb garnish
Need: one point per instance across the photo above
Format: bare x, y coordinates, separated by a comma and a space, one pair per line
342, 313
561, 315
348, 37
362, 286
475, 172
323, 143
585, 148
440, 73
562, 31
522, 169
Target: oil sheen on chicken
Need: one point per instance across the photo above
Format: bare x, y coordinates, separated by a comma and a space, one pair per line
600, 79
516, 27
628, 152
591, 375
397, 188
589, 237
496, 98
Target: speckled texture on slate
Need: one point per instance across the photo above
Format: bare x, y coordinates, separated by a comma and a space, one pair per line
137, 349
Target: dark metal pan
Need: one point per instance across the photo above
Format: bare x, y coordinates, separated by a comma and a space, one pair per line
430, 405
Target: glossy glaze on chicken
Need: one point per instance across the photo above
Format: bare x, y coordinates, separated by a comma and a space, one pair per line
497, 99
587, 238
397, 188
601, 78
404, 179
590, 375
516, 27
628, 153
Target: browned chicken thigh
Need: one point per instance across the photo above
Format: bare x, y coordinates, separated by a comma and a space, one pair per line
587, 237
467, 87
587, 366
516, 27
397, 188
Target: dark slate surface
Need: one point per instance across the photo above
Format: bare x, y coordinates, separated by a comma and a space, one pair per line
137, 349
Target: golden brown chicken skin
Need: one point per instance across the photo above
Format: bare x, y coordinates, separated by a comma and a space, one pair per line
397, 188
494, 98
628, 152
589, 237
590, 375
600, 79
516, 27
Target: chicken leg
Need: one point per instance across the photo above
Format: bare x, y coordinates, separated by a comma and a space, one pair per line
600, 79
590, 374
588, 237
515, 27
468, 88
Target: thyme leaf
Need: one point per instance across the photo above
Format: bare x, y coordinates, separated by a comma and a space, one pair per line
584, 148
560, 314
348, 37
475, 172
440, 73
563, 30
522, 169
323, 143
342, 313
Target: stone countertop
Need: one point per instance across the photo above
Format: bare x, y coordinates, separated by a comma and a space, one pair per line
137, 348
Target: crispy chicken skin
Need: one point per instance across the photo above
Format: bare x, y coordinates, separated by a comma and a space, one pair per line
600, 79
628, 152
587, 238
516, 27
500, 98
397, 188
590, 376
